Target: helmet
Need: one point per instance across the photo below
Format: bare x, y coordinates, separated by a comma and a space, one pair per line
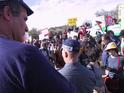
111, 45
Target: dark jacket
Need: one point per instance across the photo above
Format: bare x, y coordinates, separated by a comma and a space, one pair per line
82, 78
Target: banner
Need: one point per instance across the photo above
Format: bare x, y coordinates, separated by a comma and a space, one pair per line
72, 34
44, 34
115, 28
121, 15
72, 21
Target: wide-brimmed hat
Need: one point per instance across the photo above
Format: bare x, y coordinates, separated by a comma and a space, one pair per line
110, 46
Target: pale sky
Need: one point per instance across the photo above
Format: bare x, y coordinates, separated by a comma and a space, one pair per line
51, 13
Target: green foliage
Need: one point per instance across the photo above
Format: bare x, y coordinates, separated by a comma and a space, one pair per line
102, 12
59, 29
34, 33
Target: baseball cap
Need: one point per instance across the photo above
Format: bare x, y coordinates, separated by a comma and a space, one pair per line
71, 45
22, 3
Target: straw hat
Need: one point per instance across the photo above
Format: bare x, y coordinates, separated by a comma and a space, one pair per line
111, 45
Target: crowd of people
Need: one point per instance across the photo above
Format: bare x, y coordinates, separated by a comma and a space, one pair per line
62, 64
94, 54
98, 54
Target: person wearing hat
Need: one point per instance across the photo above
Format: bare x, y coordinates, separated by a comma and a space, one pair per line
23, 69
82, 78
115, 67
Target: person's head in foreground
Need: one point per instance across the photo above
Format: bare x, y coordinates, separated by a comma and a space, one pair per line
13, 17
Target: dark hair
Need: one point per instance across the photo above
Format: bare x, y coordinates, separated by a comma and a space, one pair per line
14, 6
110, 32
86, 42
106, 37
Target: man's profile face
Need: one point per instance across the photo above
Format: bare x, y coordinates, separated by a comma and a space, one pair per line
19, 26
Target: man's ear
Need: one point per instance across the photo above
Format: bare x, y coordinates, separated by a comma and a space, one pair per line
7, 13
66, 54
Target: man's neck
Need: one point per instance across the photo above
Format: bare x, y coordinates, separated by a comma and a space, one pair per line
3, 36
71, 61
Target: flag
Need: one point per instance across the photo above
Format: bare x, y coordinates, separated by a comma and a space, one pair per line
99, 24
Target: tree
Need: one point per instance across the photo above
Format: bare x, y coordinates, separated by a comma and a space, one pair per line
34, 33
113, 13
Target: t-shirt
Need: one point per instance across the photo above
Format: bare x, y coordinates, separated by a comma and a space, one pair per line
23, 69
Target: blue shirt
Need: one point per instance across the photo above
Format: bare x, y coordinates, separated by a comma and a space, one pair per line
105, 58
23, 69
114, 63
